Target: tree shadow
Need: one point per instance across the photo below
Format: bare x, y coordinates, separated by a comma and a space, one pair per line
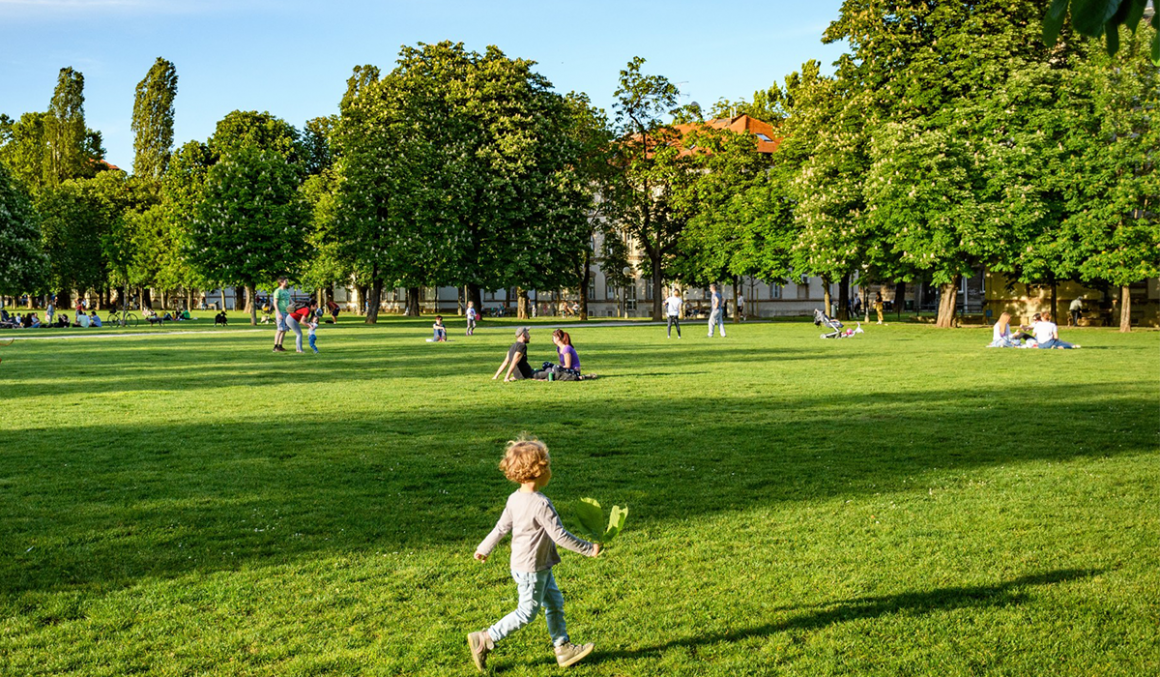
822, 615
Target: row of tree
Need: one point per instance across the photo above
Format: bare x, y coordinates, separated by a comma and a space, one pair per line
950, 138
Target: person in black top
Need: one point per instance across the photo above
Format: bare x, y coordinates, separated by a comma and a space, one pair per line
516, 362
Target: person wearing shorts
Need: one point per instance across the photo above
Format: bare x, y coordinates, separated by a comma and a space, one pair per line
281, 310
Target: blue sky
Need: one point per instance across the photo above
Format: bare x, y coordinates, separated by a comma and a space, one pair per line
292, 57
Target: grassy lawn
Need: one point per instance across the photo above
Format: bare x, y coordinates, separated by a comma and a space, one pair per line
903, 503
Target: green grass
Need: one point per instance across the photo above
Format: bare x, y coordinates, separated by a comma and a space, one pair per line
905, 503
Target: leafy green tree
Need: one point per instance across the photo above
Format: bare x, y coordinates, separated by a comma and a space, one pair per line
65, 135
652, 168
25, 266
77, 216
251, 224
23, 150
251, 129
153, 119
1114, 220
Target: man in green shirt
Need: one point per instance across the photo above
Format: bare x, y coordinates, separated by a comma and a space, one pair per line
281, 310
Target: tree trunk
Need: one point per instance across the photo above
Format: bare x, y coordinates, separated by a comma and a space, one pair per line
947, 303
189, 299
147, 299
374, 298
844, 298
899, 297
475, 295
164, 305
251, 308
827, 297
222, 293
733, 303
248, 299
585, 280
63, 299
1125, 309
1054, 285
413, 309
658, 283
522, 303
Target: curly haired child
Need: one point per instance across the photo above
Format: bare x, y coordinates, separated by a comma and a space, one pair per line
536, 529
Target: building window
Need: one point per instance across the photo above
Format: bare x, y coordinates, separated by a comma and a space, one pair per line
429, 293
648, 289
774, 291
592, 289
803, 288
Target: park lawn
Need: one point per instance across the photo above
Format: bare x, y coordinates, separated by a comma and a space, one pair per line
903, 503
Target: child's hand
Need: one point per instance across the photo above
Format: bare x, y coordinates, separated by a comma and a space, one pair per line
597, 549
481, 557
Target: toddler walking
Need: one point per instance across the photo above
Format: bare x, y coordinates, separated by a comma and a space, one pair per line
536, 528
472, 316
311, 334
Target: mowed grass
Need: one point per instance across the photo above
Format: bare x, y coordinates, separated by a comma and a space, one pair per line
903, 503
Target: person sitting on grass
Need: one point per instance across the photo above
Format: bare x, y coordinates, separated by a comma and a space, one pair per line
439, 329
569, 367
82, 320
1047, 334
94, 321
516, 362
61, 321
536, 529
34, 323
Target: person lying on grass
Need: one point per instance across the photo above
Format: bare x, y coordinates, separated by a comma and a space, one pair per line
536, 529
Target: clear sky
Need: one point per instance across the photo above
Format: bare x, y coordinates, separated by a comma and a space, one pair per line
292, 57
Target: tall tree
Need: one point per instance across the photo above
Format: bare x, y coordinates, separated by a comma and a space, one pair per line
651, 165
24, 265
252, 223
1115, 216
64, 130
153, 120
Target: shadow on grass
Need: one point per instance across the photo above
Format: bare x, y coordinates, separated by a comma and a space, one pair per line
101, 506
1005, 594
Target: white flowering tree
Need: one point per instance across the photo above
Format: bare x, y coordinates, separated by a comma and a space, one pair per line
25, 265
252, 222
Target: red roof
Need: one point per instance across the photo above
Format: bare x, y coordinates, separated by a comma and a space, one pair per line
767, 138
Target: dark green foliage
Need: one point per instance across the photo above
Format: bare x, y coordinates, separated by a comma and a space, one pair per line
153, 120
23, 266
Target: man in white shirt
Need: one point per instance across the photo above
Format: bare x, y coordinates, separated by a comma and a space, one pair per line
1076, 310
673, 310
1047, 334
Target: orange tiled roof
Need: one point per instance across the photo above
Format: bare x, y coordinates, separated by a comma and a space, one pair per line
767, 138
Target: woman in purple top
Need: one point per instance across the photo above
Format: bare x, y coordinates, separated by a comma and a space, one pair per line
569, 360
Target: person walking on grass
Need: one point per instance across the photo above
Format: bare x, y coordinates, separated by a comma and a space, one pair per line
878, 305
536, 529
312, 335
472, 316
281, 312
716, 312
673, 311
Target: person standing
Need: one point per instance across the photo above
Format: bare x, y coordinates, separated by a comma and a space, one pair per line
673, 310
472, 316
50, 311
716, 312
281, 312
878, 305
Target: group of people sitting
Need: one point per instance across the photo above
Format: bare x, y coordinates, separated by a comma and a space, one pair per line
515, 366
1043, 334
55, 320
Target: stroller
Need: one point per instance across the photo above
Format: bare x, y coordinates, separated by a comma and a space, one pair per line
821, 319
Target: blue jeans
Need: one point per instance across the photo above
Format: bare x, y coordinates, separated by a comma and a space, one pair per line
312, 346
717, 319
293, 325
535, 590
1055, 343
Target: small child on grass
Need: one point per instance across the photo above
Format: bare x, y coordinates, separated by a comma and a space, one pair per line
311, 335
536, 528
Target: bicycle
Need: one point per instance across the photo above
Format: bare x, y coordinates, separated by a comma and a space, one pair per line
114, 319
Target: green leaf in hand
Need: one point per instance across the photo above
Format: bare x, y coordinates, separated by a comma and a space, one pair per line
590, 518
615, 522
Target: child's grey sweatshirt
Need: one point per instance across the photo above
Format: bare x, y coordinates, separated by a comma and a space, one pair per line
536, 528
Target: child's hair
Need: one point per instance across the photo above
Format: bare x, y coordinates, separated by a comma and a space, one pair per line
439, 317
524, 459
